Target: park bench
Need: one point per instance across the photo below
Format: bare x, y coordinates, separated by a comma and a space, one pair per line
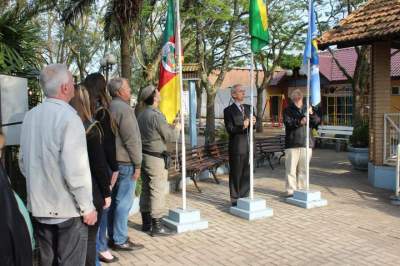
210, 157
267, 147
199, 159
340, 134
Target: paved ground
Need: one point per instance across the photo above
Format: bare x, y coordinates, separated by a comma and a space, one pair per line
358, 227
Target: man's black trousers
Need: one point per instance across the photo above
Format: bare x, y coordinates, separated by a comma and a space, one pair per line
239, 176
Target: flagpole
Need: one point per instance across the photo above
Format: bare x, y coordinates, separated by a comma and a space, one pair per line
308, 106
183, 148
251, 129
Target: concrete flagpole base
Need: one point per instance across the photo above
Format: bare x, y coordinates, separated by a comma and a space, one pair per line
307, 199
182, 221
251, 209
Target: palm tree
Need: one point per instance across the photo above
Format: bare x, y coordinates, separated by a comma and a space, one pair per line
20, 42
120, 21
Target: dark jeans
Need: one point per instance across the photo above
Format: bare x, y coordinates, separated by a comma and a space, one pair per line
91, 253
239, 176
62, 244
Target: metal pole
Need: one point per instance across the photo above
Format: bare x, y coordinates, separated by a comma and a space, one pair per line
183, 148
308, 126
397, 189
308, 104
384, 137
193, 109
251, 129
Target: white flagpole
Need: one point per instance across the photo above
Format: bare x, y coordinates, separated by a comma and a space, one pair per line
308, 126
183, 148
308, 104
251, 129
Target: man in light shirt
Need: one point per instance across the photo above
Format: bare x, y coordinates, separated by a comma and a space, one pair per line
54, 160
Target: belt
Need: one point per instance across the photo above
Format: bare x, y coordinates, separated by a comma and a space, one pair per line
155, 154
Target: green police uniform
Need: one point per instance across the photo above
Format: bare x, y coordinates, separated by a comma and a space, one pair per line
155, 133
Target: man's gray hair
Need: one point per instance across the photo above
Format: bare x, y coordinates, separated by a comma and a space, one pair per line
235, 87
52, 77
296, 92
114, 85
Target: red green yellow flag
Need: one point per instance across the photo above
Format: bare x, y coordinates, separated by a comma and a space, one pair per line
169, 79
258, 24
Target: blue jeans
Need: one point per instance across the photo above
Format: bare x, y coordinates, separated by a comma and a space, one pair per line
101, 244
122, 200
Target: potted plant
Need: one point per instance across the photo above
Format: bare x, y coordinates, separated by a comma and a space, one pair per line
358, 149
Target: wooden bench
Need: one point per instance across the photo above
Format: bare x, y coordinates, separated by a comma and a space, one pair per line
212, 156
198, 159
341, 134
267, 147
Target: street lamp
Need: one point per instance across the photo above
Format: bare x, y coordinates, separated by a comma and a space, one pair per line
107, 63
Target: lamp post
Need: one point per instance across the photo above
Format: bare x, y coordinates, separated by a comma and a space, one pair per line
107, 63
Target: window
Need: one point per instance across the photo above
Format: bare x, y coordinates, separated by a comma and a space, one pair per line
337, 110
396, 91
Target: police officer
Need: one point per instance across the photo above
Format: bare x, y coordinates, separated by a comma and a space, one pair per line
156, 133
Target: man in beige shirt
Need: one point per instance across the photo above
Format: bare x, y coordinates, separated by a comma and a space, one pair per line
54, 160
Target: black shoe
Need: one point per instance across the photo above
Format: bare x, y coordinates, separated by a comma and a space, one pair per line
146, 221
157, 229
234, 204
127, 246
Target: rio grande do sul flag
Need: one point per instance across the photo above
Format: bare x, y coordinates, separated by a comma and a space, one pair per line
258, 24
169, 83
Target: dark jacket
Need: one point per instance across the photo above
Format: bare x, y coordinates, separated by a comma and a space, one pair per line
15, 244
104, 117
98, 164
295, 132
238, 137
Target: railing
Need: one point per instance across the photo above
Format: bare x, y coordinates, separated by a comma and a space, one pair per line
391, 138
397, 188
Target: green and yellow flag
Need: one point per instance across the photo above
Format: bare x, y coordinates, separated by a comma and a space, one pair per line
258, 25
168, 84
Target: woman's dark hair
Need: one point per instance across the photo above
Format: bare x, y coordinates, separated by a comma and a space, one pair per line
96, 86
150, 99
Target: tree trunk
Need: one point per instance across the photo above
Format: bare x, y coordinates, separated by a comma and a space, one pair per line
126, 65
259, 110
210, 119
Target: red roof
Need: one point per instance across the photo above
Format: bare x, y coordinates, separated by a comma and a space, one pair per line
347, 58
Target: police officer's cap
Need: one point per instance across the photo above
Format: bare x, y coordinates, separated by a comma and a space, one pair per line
146, 92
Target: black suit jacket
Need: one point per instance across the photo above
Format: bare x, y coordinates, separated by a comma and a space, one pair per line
238, 137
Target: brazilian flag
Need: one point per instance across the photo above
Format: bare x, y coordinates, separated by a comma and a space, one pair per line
258, 25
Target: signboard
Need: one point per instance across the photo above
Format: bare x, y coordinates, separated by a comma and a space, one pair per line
14, 105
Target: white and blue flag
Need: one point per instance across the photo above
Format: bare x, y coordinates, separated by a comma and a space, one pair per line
311, 56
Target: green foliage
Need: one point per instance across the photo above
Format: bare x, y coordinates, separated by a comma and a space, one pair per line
20, 43
222, 134
360, 137
289, 61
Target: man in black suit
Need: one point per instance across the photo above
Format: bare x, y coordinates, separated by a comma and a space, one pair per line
237, 122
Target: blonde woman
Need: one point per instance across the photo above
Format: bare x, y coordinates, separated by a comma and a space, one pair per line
98, 166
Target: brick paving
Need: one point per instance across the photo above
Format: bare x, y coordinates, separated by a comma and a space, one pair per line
358, 227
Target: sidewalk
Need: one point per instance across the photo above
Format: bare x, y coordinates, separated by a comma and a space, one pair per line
358, 227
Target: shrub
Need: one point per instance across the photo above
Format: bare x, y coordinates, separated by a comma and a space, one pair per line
360, 137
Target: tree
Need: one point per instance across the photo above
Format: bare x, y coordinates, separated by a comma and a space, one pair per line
120, 19
20, 42
216, 24
360, 79
286, 28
